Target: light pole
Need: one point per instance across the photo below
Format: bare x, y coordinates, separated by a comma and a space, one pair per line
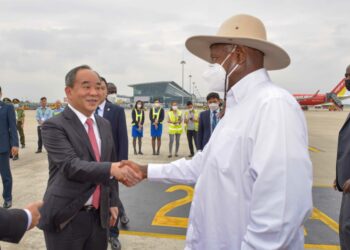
193, 90
190, 76
183, 71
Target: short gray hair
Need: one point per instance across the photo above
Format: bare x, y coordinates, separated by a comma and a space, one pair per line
71, 75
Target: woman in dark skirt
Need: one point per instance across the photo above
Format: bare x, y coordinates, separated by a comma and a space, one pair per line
138, 118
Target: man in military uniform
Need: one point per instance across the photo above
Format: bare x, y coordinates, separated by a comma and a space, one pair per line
20, 115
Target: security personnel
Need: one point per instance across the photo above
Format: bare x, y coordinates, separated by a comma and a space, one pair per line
175, 128
20, 115
156, 115
191, 126
138, 119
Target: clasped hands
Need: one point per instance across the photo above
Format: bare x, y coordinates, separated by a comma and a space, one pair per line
128, 172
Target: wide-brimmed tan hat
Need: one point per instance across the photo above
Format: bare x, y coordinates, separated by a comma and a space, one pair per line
243, 30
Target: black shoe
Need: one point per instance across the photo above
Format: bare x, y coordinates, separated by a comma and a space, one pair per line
158, 153
135, 153
140, 153
38, 151
23, 146
115, 243
169, 156
7, 204
15, 158
191, 155
154, 153
176, 155
124, 219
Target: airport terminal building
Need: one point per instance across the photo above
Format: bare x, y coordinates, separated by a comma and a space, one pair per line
165, 91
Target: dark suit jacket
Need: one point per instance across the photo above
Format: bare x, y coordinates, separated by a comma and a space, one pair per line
73, 170
13, 224
343, 155
116, 116
204, 128
8, 129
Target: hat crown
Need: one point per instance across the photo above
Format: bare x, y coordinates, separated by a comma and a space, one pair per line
244, 26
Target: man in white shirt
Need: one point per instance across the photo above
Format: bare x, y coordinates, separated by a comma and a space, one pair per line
253, 180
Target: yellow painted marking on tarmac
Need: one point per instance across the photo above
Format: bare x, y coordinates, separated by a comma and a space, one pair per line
315, 150
322, 186
182, 237
154, 235
305, 232
321, 247
161, 219
318, 215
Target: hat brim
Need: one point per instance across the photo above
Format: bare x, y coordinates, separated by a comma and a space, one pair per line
274, 56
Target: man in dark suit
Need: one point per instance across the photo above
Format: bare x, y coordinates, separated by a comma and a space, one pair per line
80, 194
342, 182
8, 144
116, 116
15, 222
208, 120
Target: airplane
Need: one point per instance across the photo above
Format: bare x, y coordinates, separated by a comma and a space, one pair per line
332, 98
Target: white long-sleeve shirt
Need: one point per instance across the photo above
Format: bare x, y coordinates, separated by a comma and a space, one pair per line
253, 178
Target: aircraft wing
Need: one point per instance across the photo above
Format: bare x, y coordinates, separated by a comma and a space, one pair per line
307, 98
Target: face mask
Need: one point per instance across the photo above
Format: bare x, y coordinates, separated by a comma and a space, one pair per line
347, 84
112, 98
216, 75
213, 106
174, 107
139, 106
16, 105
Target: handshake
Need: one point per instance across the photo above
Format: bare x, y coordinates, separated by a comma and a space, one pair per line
128, 172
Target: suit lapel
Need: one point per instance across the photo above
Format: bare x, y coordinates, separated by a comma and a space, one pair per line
79, 128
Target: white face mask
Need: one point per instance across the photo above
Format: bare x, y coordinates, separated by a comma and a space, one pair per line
213, 106
112, 98
174, 107
216, 75
16, 105
139, 106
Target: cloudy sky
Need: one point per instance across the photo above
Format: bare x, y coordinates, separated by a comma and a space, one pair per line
133, 41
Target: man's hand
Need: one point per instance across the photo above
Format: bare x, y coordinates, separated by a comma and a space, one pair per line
125, 174
33, 208
335, 185
346, 186
14, 151
139, 170
114, 216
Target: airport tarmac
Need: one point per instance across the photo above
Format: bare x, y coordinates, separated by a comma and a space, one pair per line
158, 212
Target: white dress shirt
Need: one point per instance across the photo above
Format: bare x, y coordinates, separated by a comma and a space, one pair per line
253, 178
83, 119
101, 109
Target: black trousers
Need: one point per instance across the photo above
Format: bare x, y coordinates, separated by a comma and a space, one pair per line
84, 232
6, 176
344, 222
40, 141
192, 136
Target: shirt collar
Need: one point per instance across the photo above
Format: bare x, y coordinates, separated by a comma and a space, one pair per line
102, 105
244, 86
81, 116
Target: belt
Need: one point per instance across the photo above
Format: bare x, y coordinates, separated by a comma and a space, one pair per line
88, 208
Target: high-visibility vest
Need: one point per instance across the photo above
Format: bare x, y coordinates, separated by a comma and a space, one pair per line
174, 129
138, 116
196, 117
155, 115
